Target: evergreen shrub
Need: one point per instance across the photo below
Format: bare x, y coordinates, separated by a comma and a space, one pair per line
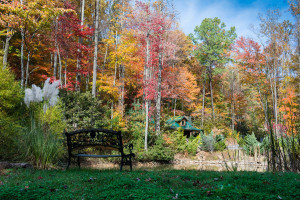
11, 113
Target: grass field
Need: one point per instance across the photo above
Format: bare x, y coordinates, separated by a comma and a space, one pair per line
165, 184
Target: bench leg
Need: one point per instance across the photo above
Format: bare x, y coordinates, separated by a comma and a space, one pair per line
121, 166
78, 161
130, 163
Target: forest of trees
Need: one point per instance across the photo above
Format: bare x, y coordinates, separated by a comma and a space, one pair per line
132, 59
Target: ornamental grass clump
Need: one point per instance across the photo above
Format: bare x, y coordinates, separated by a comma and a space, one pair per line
42, 141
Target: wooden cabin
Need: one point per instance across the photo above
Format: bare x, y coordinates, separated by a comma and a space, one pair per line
184, 123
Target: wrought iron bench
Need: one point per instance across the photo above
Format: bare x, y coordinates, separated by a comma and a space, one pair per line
101, 138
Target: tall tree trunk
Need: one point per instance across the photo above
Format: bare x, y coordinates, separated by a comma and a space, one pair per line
5, 56
146, 125
95, 49
211, 94
78, 75
158, 99
55, 53
22, 54
115, 74
55, 64
27, 69
122, 72
66, 73
122, 89
232, 102
60, 66
22, 58
175, 107
203, 100
114, 85
146, 80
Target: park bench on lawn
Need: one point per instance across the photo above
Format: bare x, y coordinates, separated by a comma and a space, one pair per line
104, 139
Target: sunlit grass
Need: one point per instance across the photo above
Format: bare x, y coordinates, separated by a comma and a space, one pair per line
165, 184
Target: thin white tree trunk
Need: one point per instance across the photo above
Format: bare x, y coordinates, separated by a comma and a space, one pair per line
95, 50
115, 75
22, 54
22, 58
55, 64
211, 94
203, 100
158, 99
59, 61
78, 75
122, 89
66, 73
146, 73
175, 107
5, 56
232, 101
27, 69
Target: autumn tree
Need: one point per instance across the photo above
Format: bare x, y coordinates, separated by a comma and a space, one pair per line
213, 42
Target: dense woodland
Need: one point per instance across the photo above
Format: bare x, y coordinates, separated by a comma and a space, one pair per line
126, 65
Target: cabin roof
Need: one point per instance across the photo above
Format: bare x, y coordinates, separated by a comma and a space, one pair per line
174, 123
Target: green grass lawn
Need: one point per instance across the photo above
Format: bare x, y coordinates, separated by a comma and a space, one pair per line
165, 184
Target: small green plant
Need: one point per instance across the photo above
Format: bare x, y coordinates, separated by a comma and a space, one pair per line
160, 152
250, 144
220, 146
208, 142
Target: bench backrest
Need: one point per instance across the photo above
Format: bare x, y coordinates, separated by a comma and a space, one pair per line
94, 137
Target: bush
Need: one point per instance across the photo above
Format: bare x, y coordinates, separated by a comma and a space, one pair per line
208, 142
193, 145
220, 146
158, 149
181, 144
250, 144
160, 152
11, 113
136, 127
82, 110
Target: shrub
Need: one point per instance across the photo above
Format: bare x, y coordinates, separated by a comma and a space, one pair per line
160, 152
11, 113
136, 127
220, 146
193, 144
178, 141
250, 144
82, 110
208, 142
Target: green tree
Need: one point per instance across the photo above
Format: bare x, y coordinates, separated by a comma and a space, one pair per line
213, 45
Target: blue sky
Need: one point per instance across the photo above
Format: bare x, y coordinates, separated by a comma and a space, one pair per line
239, 13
